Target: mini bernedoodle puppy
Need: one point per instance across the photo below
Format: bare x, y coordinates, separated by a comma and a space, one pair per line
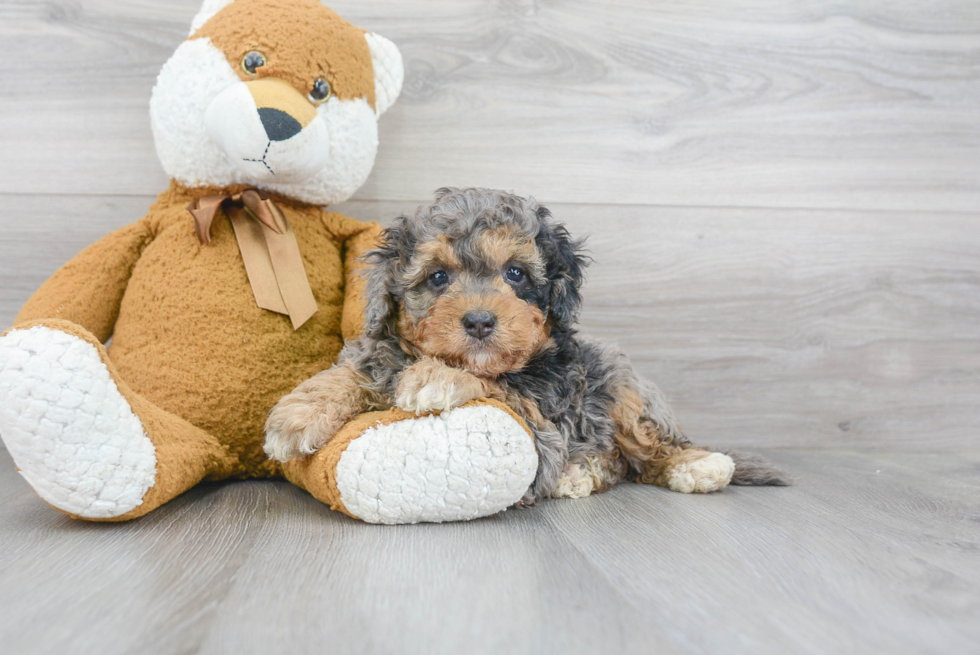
477, 296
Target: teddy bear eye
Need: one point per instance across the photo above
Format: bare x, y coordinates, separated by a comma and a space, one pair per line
252, 60
320, 90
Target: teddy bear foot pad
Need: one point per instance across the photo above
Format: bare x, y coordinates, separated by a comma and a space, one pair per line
71, 433
462, 464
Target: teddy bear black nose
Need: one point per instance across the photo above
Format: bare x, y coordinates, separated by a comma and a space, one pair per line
479, 324
278, 124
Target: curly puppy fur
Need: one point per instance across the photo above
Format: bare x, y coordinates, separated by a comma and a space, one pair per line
476, 295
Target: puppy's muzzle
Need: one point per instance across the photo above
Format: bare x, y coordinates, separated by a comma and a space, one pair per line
479, 324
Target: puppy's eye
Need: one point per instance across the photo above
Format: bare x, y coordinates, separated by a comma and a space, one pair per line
320, 91
439, 279
515, 274
251, 61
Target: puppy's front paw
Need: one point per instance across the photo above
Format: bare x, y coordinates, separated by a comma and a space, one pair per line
297, 427
709, 473
576, 481
429, 385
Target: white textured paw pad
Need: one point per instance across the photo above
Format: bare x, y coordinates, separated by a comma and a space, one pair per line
710, 473
71, 433
462, 464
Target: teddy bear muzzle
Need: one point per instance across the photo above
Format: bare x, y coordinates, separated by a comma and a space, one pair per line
268, 131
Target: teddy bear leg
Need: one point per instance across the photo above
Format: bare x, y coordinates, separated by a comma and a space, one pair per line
397, 467
82, 439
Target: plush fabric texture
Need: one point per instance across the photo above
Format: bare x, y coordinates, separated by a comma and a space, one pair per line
301, 39
184, 454
389, 71
208, 9
73, 435
205, 125
188, 335
395, 467
458, 465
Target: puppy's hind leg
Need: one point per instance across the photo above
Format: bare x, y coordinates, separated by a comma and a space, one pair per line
690, 471
657, 451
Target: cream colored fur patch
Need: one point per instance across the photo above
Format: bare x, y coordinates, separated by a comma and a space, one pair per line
575, 482
710, 473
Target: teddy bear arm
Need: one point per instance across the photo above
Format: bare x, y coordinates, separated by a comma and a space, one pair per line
88, 290
358, 238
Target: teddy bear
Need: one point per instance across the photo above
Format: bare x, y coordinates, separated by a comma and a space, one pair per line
149, 362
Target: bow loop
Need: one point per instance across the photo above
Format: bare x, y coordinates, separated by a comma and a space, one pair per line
269, 250
262, 209
203, 211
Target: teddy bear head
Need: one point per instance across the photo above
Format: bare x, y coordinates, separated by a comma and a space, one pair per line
283, 95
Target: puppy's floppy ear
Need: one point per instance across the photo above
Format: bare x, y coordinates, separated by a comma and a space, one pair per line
565, 264
380, 310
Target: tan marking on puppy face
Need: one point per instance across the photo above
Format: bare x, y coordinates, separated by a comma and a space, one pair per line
407, 332
503, 245
301, 41
518, 334
430, 318
429, 257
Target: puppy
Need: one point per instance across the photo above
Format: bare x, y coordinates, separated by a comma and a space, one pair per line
477, 296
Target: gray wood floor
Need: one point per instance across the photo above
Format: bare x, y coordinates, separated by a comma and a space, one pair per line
868, 553
784, 208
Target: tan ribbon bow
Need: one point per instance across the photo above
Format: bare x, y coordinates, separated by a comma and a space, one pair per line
269, 249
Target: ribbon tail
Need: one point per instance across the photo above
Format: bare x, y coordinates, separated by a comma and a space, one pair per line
269, 251
294, 286
258, 264
203, 210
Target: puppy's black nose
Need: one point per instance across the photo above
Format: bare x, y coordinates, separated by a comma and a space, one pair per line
479, 324
278, 124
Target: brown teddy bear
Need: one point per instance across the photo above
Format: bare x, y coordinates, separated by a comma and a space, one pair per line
235, 287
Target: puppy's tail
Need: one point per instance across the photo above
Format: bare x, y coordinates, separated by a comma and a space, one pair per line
755, 471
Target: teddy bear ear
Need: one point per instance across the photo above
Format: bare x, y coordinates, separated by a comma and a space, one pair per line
208, 9
389, 71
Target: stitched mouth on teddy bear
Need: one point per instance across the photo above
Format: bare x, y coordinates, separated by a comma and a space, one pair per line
262, 160
265, 143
